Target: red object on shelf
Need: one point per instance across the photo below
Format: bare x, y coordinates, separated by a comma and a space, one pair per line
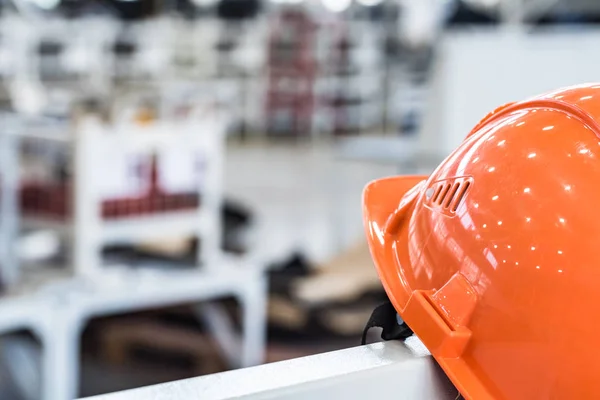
53, 200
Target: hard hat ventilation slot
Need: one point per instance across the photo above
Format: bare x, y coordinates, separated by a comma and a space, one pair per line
443, 193
451, 195
446, 196
461, 194
437, 192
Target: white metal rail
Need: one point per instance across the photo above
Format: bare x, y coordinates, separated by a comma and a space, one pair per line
376, 371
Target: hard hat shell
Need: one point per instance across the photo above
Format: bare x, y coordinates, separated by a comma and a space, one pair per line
494, 259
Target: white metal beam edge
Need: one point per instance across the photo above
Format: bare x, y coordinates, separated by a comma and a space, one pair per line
379, 370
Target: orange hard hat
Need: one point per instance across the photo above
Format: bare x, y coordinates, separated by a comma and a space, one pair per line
493, 260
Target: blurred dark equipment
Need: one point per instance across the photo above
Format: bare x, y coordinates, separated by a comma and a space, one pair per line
299, 314
78, 8
467, 15
135, 10
235, 10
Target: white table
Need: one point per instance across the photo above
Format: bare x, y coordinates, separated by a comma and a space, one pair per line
57, 313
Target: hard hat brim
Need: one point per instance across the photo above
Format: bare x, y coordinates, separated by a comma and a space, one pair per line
383, 214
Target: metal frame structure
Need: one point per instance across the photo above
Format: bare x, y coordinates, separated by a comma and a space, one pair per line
57, 310
374, 371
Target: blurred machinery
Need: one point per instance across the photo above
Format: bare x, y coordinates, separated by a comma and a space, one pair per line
137, 195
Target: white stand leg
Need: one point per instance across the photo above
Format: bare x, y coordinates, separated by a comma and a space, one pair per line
9, 208
253, 300
221, 328
247, 349
60, 364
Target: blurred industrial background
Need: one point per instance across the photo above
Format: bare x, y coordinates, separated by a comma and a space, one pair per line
180, 180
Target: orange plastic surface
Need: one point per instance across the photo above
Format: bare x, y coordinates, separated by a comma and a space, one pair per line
494, 259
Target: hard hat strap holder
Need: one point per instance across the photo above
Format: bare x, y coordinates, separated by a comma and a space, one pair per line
386, 317
394, 328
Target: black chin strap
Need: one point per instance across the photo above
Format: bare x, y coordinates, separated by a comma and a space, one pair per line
393, 328
386, 317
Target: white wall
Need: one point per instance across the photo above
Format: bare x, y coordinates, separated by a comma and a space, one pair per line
479, 70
